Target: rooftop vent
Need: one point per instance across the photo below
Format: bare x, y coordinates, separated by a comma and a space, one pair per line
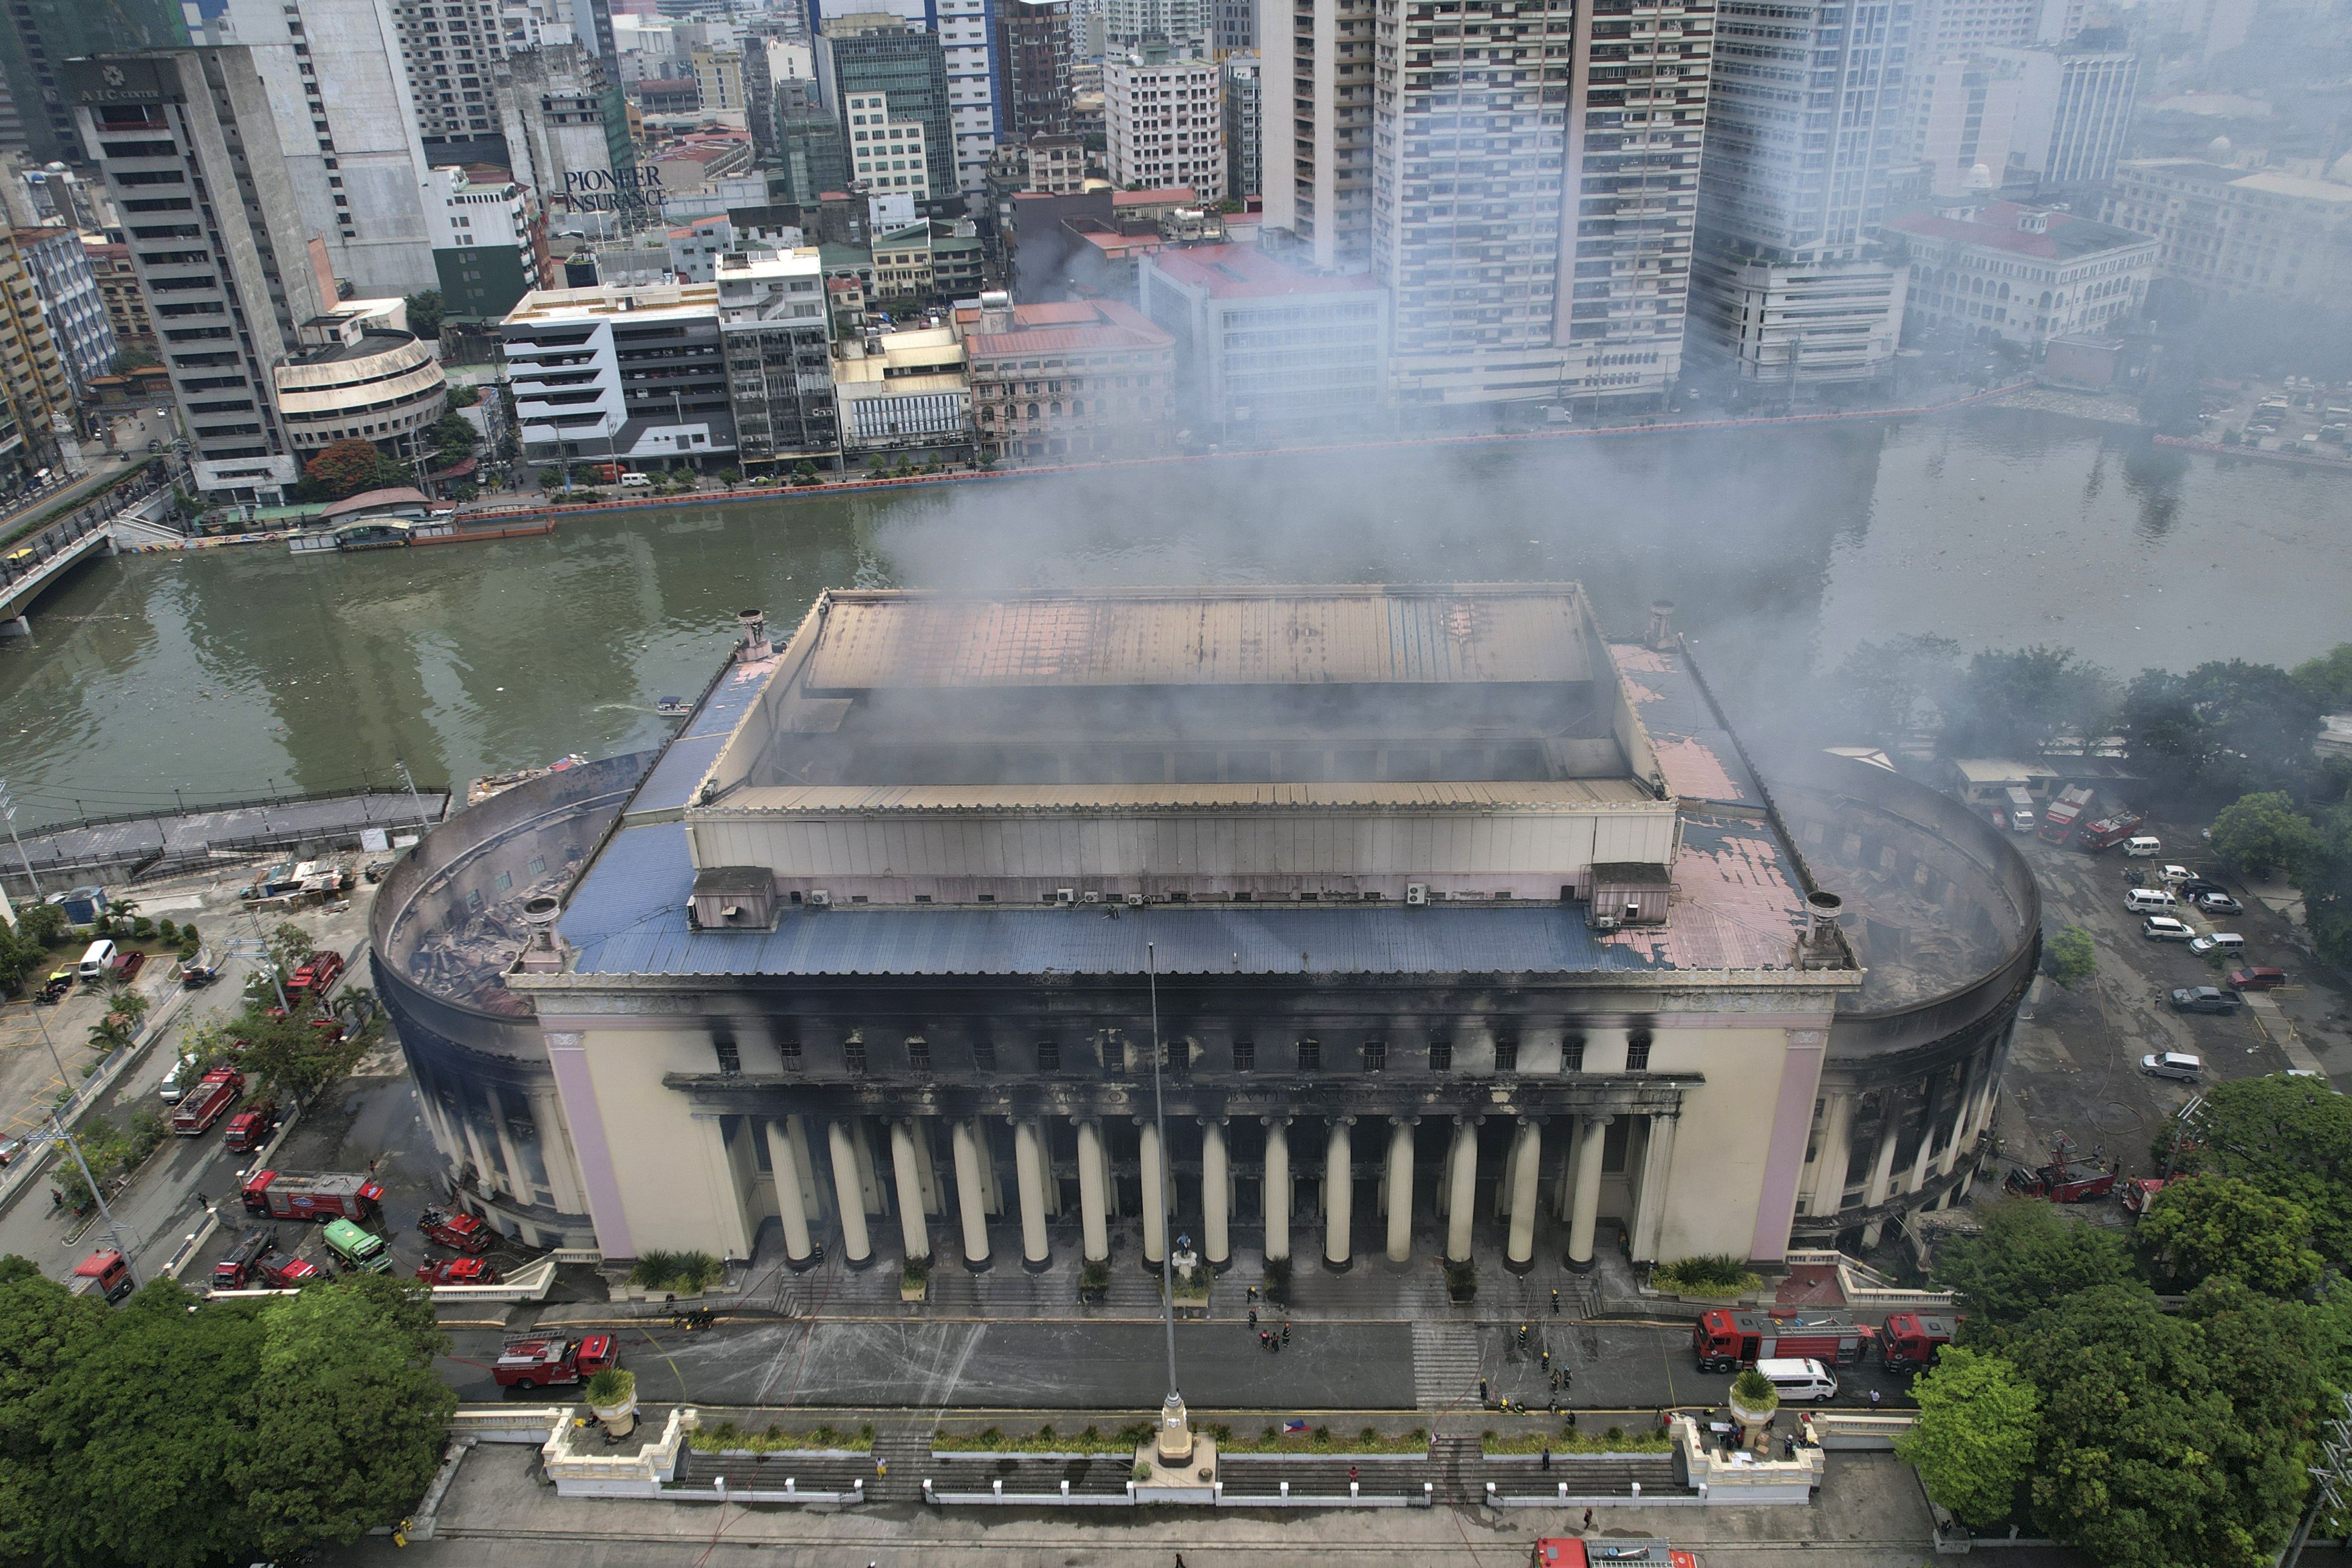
540, 956
734, 898
754, 646
1822, 946
1662, 625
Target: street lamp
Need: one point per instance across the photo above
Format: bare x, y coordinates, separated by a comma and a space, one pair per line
57, 1133
1175, 1438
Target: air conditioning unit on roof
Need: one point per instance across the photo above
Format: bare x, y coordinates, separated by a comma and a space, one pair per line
1416, 894
820, 898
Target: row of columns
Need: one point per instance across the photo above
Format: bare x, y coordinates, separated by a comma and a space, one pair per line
1964, 1111
1579, 1197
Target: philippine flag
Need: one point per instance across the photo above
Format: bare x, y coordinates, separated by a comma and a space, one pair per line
1290, 1426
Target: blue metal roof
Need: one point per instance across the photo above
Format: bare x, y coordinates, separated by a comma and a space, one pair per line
696, 744
628, 917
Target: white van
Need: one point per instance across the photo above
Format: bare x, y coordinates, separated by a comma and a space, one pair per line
2220, 942
1799, 1379
95, 962
2143, 849
632, 480
2146, 898
2178, 1065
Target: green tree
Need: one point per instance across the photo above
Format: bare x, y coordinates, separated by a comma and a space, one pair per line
464, 396
2261, 832
1979, 1420
2221, 731
345, 468
2070, 957
332, 1458
2328, 679
294, 1058
2325, 876
2027, 1253
1887, 688
454, 436
2210, 1226
424, 314
2287, 1137
2014, 701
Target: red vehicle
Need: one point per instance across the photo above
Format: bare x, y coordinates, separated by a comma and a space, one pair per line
103, 1272
236, 1270
1570, 1552
2066, 1179
603, 473
335, 1195
200, 1107
128, 965
462, 1231
2138, 1191
457, 1272
549, 1362
2059, 818
316, 978
281, 1272
251, 1128
2261, 977
1725, 1341
1913, 1340
2108, 831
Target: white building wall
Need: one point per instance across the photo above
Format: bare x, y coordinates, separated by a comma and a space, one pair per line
1165, 124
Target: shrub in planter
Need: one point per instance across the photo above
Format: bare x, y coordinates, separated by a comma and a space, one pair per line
1461, 1281
141, 928
1094, 1279
1719, 1275
679, 1273
168, 932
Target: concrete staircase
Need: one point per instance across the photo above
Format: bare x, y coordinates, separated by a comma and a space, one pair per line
1517, 1475
1103, 1476
907, 1453
768, 1472
1261, 1475
1445, 1362
1455, 1462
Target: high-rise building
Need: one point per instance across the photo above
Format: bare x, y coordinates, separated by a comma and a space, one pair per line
778, 338
38, 37
72, 304
1941, 28
966, 33
567, 133
1238, 76
188, 141
1790, 282
1033, 67
1234, 27
719, 74
489, 245
347, 128
2074, 110
449, 52
1530, 220
873, 52
811, 145
36, 398
117, 286
1264, 348
1165, 119
1184, 26
885, 150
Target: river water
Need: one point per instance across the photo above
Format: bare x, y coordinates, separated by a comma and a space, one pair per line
230, 673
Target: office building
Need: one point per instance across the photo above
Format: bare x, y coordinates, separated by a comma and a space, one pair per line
38, 37
904, 396
1033, 68
2230, 233
2074, 112
1182, 26
117, 286
1234, 29
37, 403
1085, 379
719, 77
566, 133
965, 32
812, 146
2027, 275
489, 245
359, 374
1165, 118
886, 152
449, 54
1942, 28
632, 373
1239, 84
1263, 349
71, 303
777, 336
928, 261
1964, 114
1789, 283
872, 53
1445, 928
229, 282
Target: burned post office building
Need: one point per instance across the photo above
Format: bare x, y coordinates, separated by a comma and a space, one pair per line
1471, 933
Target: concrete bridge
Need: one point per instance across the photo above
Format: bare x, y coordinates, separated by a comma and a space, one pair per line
59, 547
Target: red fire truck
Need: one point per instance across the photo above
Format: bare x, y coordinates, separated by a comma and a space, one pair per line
1725, 1341
1610, 1551
103, 1272
1913, 1340
334, 1195
203, 1105
457, 1272
546, 1362
251, 1128
463, 1231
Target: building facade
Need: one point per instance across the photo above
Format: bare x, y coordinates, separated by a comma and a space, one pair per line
488, 243
1183, 26
37, 404
2074, 112
76, 310
1239, 85
870, 53
886, 152
360, 374
1053, 382
117, 286
1264, 348
1389, 1020
812, 146
777, 335
2025, 274
2233, 232
38, 37
228, 283
625, 374
1033, 68
905, 396
1796, 325
1165, 120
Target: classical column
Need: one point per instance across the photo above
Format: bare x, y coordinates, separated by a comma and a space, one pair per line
1277, 1189
1461, 1202
971, 1194
1650, 1208
907, 1169
1963, 1102
1155, 1199
1929, 1108
1521, 1255
1338, 1195
796, 1137
792, 1210
1094, 1227
1581, 1226
856, 1250
1828, 1190
1882, 1164
1401, 1188
1216, 1196
1029, 1171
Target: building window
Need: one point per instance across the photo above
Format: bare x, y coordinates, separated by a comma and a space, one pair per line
1310, 1056
1376, 1056
1507, 1055
1245, 1056
1637, 1052
853, 1054
731, 1060
790, 1050
984, 1055
1049, 1056
1440, 1056
919, 1055
1571, 1053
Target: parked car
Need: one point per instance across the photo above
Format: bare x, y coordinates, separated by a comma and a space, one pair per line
2257, 978
2198, 886
2175, 1064
2219, 942
2206, 999
2218, 903
2175, 874
11, 1151
2165, 929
